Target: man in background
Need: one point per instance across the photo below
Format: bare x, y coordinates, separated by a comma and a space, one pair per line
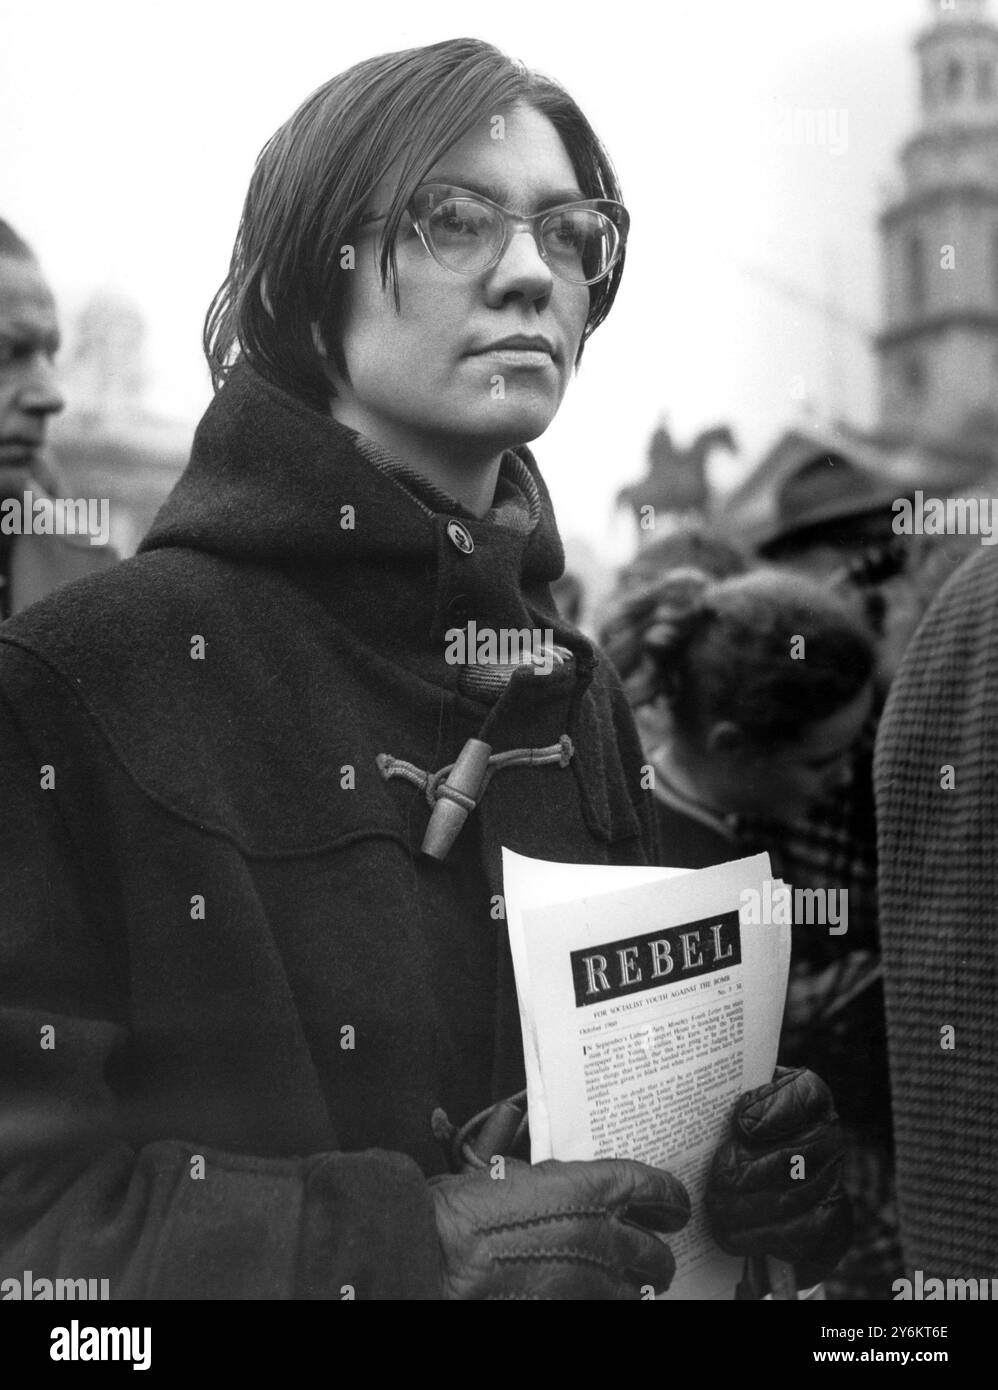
937, 810
31, 565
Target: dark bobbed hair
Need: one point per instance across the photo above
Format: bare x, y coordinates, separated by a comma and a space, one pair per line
13, 245
722, 650
314, 178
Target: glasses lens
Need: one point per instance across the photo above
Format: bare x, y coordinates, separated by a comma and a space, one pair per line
580, 244
464, 234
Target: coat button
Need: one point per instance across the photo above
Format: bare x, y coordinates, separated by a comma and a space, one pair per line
461, 537
458, 610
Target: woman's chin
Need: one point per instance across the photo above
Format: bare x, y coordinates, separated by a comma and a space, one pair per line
519, 423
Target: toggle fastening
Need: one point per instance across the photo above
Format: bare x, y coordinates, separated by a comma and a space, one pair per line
456, 789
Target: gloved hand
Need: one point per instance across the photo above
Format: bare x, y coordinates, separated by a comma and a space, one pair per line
754, 1204
558, 1230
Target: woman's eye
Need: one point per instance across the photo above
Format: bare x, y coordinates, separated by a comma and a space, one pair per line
456, 223
566, 238
568, 235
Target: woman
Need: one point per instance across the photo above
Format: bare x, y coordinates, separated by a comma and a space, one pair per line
245, 900
762, 685
762, 688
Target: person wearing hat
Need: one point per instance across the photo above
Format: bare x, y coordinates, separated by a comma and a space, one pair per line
834, 521
828, 501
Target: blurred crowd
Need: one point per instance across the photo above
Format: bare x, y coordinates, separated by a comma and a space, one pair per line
752, 751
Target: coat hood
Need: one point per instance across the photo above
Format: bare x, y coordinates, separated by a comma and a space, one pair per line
250, 599
272, 480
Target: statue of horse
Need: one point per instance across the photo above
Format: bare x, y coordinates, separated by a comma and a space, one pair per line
676, 480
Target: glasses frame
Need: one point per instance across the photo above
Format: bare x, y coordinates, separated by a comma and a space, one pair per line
615, 213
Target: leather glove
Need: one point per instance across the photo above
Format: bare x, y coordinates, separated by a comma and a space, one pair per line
754, 1204
558, 1230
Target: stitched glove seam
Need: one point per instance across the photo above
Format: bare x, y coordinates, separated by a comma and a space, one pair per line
542, 1218
567, 1255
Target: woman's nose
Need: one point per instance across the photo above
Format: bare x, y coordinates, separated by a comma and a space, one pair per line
521, 268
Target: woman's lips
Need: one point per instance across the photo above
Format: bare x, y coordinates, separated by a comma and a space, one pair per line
518, 357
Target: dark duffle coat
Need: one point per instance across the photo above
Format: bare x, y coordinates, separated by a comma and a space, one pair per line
215, 902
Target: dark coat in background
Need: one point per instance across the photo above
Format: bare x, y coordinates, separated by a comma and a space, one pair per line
209, 891
33, 565
695, 838
937, 808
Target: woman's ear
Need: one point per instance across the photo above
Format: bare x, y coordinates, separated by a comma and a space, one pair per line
265, 295
654, 721
725, 738
334, 374
318, 342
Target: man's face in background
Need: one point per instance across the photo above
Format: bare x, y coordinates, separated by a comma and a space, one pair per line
29, 390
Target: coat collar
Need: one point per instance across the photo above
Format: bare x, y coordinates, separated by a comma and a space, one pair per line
272, 480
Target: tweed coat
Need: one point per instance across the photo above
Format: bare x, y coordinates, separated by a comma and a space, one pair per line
937, 808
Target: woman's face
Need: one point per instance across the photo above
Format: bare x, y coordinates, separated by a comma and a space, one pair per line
428, 377
791, 779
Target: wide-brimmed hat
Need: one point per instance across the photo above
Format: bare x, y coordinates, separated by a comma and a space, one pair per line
822, 492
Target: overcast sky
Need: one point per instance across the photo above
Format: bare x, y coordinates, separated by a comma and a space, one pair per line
128, 130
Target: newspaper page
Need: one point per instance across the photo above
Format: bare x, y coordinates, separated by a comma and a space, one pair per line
648, 1005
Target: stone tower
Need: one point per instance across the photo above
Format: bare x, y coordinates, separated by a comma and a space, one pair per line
938, 351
